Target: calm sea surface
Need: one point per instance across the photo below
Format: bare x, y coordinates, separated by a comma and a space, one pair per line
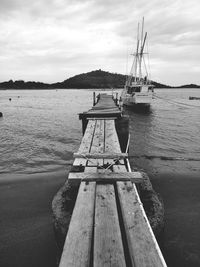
40, 130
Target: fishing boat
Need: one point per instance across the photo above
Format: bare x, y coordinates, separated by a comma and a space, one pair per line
138, 90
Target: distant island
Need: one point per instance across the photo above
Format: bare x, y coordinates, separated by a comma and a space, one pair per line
90, 80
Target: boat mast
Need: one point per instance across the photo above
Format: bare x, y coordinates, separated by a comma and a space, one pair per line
137, 55
141, 51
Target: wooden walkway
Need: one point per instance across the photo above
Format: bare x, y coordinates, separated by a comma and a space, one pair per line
108, 226
104, 108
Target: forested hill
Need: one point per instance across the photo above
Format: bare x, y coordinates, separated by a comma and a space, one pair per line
93, 79
98, 79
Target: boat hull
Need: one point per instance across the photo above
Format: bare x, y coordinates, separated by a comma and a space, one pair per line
137, 99
138, 107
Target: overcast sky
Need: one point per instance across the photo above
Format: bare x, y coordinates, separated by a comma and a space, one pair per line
52, 40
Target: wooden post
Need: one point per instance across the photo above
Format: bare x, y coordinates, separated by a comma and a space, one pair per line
84, 124
116, 99
122, 127
94, 99
98, 97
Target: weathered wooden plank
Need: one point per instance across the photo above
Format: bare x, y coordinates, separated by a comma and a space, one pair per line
143, 248
108, 111
97, 146
102, 118
77, 248
86, 142
105, 106
108, 248
112, 252
100, 155
111, 141
111, 138
109, 177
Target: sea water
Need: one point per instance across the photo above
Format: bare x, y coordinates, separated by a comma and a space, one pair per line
40, 130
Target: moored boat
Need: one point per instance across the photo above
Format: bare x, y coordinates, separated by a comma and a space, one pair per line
138, 90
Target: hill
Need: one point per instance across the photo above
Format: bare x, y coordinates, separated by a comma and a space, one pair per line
94, 79
189, 86
24, 85
98, 79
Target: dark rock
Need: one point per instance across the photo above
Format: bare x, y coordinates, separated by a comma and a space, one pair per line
62, 206
153, 206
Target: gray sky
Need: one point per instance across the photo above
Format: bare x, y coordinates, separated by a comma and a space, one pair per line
52, 40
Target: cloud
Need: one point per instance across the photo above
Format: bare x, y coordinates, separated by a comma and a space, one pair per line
54, 39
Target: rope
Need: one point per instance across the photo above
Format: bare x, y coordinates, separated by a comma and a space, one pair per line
176, 102
110, 165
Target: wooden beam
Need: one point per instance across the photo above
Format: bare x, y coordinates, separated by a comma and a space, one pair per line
103, 118
108, 247
105, 177
101, 155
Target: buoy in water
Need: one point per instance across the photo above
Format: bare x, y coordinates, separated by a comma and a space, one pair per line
10, 99
1, 114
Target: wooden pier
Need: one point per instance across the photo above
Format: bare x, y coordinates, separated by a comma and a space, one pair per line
108, 226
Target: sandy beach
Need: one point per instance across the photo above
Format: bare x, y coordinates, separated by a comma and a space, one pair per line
26, 228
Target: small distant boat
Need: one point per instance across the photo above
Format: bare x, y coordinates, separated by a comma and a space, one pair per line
138, 90
194, 98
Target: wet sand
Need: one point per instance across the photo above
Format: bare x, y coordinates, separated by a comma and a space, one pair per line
26, 229
181, 196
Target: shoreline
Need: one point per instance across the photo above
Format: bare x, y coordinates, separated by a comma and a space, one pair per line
93, 88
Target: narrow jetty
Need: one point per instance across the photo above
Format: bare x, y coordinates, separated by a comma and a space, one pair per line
108, 226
